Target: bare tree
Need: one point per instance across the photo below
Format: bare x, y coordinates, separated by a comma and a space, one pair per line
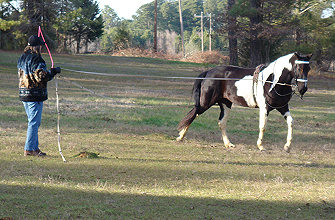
233, 54
181, 27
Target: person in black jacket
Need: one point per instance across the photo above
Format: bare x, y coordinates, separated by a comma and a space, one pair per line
33, 78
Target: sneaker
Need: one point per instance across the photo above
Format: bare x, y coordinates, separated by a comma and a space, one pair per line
40, 153
34, 153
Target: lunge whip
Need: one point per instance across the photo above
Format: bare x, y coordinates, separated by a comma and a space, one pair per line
57, 97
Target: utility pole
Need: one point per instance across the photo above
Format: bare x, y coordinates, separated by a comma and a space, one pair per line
202, 30
155, 28
181, 28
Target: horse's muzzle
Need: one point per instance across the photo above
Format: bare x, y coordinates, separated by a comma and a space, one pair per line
303, 90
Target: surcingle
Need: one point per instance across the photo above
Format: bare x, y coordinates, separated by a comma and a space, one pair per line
259, 69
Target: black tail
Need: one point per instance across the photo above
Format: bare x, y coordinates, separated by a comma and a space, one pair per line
188, 119
197, 89
191, 115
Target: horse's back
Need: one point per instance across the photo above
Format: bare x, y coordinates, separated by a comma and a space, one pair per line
235, 84
229, 72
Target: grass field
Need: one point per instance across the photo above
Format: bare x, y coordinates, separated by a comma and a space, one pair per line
141, 171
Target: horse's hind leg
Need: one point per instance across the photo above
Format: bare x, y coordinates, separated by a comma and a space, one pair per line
187, 121
225, 109
182, 133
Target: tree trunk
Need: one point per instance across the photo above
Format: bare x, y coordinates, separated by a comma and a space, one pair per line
255, 42
65, 43
86, 46
155, 28
233, 55
78, 44
33, 13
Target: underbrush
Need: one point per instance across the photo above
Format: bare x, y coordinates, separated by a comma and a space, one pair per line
209, 57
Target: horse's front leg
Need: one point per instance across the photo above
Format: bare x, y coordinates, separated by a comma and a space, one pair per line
263, 115
289, 121
287, 115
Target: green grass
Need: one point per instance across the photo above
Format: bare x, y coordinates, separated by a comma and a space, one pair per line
141, 171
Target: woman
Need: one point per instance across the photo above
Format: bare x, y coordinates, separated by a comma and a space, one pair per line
33, 77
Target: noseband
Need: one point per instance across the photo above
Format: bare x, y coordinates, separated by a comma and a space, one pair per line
293, 86
296, 78
295, 73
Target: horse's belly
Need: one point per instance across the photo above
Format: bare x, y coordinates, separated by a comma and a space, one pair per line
244, 90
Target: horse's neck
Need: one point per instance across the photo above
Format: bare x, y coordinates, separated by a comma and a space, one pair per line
286, 77
277, 68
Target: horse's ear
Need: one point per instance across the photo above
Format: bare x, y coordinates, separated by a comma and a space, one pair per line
309, 56
297, 54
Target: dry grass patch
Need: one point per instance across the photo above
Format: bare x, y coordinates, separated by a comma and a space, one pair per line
141, 172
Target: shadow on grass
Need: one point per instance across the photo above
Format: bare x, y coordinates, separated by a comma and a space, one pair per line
261, 164
30, 202
131, 172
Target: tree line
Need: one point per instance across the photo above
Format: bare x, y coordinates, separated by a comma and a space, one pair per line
65, 23
249, 31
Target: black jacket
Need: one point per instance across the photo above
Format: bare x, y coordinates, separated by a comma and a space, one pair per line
33, 76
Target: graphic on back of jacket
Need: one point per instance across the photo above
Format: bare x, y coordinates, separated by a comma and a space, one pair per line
33, 77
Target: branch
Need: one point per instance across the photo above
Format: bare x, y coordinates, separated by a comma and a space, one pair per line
312, 6
306, 9
13, 7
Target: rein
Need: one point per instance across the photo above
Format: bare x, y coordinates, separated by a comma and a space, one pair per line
57, 97
283, 95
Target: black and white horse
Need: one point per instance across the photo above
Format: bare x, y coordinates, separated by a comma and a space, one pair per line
268, 88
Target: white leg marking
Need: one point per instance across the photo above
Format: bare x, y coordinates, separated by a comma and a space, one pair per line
262, 123
182, 134
222, 124
289, 121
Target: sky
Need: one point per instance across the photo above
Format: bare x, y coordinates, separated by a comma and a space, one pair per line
124, 8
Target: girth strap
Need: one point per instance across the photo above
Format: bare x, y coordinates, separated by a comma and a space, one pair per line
258, 69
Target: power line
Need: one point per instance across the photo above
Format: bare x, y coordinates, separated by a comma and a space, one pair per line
202, 16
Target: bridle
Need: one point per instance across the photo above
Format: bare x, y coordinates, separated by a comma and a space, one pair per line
294, 86
296, 79
295, 72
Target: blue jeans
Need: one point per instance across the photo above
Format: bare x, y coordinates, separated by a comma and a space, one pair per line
34, 113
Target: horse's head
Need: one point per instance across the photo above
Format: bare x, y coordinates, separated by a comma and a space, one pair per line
300, 70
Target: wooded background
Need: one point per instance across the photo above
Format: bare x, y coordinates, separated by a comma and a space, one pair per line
249, 31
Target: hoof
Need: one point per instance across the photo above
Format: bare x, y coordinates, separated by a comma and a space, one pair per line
287, 149
261, 148
179, 139
230, 145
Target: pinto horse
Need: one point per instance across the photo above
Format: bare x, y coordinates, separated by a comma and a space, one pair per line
267, 88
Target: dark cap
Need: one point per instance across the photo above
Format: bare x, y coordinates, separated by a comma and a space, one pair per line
35, 41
